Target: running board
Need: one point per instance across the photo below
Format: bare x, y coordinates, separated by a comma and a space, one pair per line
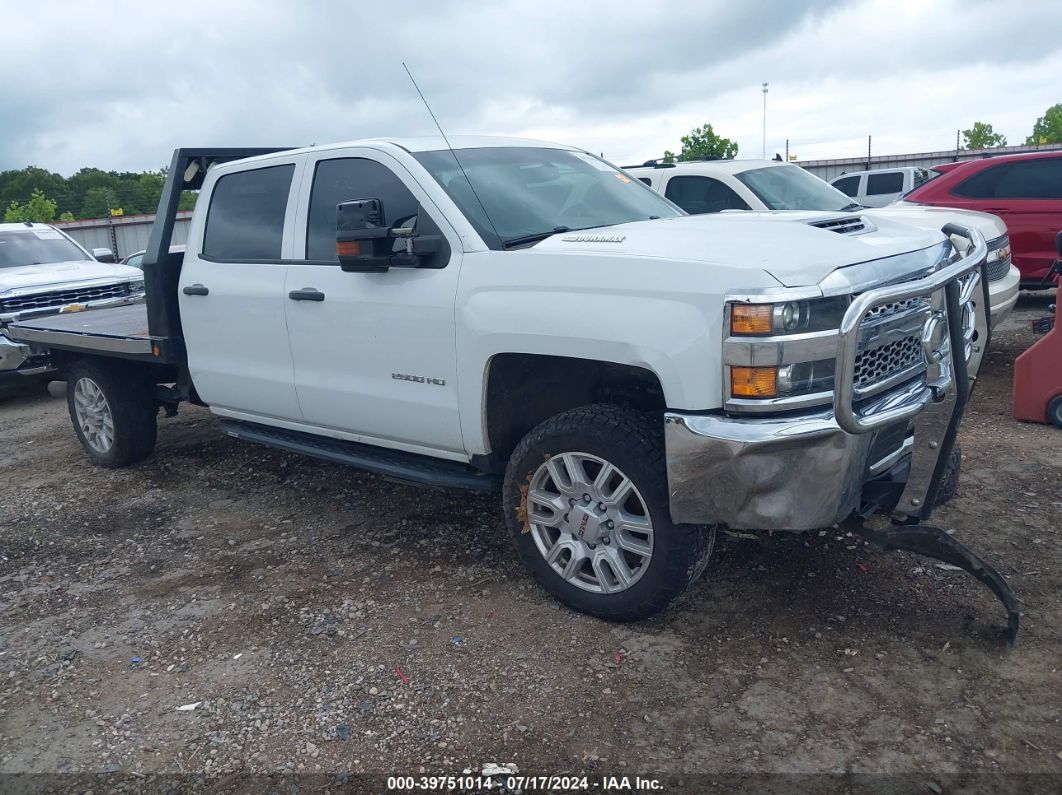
391, 464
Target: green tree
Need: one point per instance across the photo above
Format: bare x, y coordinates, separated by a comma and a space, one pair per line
982, 136
38, 208
67, 216
18, 186
703, 144
146, 193
1048, 128
98, 203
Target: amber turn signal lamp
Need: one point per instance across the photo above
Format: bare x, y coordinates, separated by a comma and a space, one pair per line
751, 319
754, 382
349, 248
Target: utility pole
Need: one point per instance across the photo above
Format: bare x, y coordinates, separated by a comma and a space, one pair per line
764, 121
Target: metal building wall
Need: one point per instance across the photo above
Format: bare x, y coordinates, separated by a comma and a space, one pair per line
829, 169
130, 233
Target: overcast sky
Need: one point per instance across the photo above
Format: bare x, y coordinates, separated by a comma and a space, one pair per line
118, 85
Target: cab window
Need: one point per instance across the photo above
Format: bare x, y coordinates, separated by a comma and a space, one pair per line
888, 182
343, 179
849, 186
698, 195
246, 216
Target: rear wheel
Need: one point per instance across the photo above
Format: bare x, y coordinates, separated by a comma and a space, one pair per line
586, 500
113, 412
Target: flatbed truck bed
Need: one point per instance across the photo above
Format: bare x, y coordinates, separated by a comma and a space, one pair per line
120, 331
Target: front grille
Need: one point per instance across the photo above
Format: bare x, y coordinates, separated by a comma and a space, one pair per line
890, 359
998, 269
73, 295
896, 307
842, 226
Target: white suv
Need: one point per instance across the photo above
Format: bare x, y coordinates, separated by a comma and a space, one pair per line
43, 271
882, 186
719, 185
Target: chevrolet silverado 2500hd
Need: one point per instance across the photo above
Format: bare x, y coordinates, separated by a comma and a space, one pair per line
526, 317
42, 271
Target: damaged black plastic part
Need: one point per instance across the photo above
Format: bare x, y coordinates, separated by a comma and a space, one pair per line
935, 543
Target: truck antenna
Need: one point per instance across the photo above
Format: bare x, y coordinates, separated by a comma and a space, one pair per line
453, 152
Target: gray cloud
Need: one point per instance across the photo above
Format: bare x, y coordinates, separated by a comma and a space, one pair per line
120, 87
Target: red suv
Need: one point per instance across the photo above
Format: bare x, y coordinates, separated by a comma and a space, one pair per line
1024, 190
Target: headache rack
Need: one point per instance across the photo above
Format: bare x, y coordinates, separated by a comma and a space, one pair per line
110, 326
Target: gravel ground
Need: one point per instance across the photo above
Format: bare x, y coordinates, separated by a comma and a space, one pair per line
327, 621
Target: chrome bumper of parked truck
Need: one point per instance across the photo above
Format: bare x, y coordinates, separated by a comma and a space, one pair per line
809, 471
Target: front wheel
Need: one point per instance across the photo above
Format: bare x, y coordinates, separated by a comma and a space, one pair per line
586, 500
113, 412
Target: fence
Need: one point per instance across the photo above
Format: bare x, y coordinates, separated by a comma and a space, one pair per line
828, 169
124, 235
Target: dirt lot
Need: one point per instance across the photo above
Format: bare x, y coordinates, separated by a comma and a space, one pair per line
328, 620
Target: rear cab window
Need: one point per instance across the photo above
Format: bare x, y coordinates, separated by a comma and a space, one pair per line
245, 220
885, 182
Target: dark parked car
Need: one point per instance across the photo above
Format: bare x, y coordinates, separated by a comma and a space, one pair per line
1024, 190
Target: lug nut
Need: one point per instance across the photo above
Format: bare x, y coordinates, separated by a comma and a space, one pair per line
605, 540
586, 498
571, 501
610, 524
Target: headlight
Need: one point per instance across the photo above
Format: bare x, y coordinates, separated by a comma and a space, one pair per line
136, 286
791, 317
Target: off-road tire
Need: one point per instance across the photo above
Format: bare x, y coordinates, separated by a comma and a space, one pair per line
635, 444
949, 484
132, 406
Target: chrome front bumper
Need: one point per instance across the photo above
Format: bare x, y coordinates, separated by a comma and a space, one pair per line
1003, 295
808, 472
14, 357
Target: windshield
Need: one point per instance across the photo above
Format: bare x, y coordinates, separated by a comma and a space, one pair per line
36, 247
531, 192
792, 188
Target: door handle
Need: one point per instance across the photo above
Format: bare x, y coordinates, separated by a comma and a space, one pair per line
196, 289
306, 294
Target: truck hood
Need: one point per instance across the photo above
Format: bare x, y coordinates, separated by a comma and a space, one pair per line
33, 278
784, 244
926, 217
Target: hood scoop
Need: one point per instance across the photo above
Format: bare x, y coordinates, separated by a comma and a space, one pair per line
852, 225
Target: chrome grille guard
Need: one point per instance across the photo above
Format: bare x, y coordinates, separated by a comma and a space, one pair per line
957, 317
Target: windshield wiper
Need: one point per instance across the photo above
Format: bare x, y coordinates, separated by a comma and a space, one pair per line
534, 238
852, 206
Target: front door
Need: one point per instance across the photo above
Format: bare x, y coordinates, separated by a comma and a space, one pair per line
231, 293
374, 353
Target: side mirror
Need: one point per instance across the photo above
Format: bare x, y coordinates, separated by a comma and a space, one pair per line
103, 255
366, 244
363, 242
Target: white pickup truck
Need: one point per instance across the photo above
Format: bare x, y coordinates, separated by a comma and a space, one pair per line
42, 270
521, 316
719, 185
